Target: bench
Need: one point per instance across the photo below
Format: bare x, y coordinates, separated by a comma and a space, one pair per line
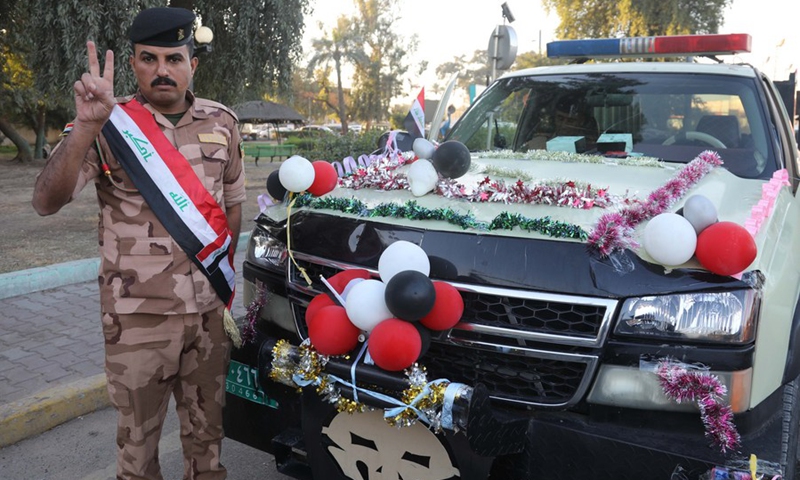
271, 151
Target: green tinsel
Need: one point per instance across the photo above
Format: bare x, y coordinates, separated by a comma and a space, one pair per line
411, 210
544, 225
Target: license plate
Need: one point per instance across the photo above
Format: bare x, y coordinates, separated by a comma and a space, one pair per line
242, 381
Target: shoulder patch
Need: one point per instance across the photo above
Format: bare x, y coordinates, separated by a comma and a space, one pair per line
67, 129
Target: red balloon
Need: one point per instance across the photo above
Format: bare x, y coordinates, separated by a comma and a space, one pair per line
725, 248
341, 279
394, 344
325, 178
316, 303
447, 309
331, 332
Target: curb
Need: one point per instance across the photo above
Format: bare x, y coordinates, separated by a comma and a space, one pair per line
23, 282
50, 408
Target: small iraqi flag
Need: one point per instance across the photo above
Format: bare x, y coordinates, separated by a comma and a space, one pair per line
414, 122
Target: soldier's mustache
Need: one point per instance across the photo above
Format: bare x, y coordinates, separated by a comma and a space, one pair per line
163, 81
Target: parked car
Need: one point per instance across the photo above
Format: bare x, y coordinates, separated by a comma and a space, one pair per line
314, 131
590, 346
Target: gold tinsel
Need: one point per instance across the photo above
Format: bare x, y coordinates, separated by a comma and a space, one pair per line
308, 364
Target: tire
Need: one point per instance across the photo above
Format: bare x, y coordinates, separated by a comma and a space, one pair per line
790, 430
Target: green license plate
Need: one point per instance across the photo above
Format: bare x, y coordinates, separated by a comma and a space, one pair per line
242, 381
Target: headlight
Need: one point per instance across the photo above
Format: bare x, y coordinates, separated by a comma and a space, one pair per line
722, 317
266, 251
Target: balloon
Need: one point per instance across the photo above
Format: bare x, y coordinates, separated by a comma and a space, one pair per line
325, 178
423, 148
352, 283
700, 212
316, 303
726, 248
394, 345
331, 332
410, 295
402, 255
425, 337
451, 159
422, 177
670, 239
447, 310
275, 188
366, 306
340, 281
296, 173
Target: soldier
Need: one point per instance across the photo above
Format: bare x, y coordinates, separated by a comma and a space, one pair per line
167, 168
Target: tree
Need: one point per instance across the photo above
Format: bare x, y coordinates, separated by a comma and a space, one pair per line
609, 18
256, 43
343, 45
377, 80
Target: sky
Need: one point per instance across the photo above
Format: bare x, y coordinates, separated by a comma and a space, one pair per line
450, 28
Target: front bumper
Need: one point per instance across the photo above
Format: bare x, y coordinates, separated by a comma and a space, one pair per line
496, 442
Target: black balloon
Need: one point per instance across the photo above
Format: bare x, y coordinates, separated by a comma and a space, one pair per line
451, 159
410, 295
275, 188
425, 336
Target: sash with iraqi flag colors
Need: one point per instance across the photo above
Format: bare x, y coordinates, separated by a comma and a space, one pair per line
173, 191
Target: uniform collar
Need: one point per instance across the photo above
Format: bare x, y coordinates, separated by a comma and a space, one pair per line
160, 119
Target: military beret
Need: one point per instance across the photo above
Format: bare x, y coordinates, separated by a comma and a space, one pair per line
162, 27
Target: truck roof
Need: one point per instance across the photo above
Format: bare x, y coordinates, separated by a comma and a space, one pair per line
741, 70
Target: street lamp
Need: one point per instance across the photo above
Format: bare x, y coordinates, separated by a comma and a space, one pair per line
202, 39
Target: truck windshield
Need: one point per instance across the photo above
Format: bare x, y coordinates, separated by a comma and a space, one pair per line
670, 116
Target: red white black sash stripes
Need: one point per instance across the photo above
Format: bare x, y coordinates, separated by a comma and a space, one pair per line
173, 191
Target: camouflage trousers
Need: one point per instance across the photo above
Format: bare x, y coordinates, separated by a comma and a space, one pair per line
149, 358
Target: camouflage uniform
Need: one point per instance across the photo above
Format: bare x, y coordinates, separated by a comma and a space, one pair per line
162, 320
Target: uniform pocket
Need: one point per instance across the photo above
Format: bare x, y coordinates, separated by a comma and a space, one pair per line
144, 268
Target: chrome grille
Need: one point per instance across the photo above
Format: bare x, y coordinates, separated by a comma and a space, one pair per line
499, 340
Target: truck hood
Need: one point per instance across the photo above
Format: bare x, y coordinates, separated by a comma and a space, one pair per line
621, 182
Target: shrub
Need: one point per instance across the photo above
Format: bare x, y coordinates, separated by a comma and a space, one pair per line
334, 148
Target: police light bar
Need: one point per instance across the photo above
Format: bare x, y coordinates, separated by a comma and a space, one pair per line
660, 46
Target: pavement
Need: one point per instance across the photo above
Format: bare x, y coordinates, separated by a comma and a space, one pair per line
51, 346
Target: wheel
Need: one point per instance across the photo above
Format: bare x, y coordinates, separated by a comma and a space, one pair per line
790, 430
699, 136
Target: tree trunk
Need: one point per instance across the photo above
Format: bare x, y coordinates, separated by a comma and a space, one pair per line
340, 91
41, 133
24, 153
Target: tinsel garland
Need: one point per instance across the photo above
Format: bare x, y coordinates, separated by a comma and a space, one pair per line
568, 157
302, 366
253, 313
411, 210
382, 175
614, 231
684, 385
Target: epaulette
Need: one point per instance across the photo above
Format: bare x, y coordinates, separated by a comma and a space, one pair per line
209, 106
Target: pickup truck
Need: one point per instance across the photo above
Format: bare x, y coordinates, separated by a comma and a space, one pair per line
599, 339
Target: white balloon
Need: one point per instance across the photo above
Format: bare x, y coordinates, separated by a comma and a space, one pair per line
423, 148
366, 305
669, 239
296, 174
700, 212
352, 283
400, 256
422, 177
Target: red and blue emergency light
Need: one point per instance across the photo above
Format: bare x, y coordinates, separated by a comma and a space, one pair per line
658, 46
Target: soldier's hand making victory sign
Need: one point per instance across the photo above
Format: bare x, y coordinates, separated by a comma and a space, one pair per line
94, 93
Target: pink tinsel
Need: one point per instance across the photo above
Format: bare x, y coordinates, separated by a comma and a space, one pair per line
706, 390
614, 231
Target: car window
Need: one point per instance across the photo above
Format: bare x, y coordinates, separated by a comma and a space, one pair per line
670, 116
